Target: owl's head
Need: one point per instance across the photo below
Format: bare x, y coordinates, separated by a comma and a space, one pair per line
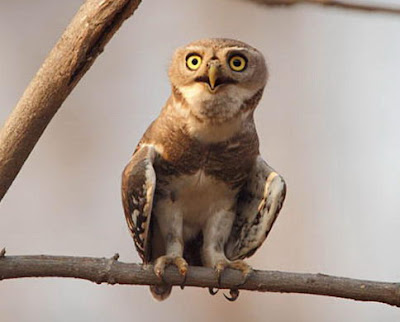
216, 77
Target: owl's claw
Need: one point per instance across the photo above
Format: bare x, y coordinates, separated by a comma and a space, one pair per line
245, 268
234, 295
219, 268
212, 292
182, 286
238, 265
163, 261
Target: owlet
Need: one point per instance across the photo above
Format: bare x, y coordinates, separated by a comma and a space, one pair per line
196, 190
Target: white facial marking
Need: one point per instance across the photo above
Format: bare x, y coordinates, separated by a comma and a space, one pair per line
237, 48
226, 101
195, 48
219, 112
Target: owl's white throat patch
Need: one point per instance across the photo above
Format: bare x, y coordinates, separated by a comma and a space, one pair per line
214, 117
222, 103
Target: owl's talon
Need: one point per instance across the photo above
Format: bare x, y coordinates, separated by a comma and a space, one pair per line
219, 268
183, 284
182, 265
245, 268
162, 278
240, 265
219, 279
163, 261
245, 277
212, 292
234, 295
159, 272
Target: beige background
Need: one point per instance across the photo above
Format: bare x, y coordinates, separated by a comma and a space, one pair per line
329, 122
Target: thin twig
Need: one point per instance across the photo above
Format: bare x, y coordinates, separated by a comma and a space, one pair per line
111, 271
84, 39
333, 3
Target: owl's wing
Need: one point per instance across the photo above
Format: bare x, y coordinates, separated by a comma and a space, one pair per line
138, 186
259, 203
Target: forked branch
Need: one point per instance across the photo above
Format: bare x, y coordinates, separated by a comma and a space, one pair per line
111, 271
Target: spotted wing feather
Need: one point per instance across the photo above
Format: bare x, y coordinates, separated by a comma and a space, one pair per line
138, 186
259, 204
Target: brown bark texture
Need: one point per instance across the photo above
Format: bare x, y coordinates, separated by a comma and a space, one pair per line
366, 7
83, 40
111, 271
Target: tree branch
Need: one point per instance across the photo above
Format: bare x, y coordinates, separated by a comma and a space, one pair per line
111, 271
82, 42
333, 3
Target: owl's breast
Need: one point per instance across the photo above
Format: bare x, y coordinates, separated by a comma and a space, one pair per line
200, 180
231, 162
228, 162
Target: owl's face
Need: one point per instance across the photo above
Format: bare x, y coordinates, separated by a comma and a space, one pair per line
216, 76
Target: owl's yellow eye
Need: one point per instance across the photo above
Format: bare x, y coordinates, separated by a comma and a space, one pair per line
237, 63
193, 62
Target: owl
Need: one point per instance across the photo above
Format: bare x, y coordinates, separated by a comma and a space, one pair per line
196, 190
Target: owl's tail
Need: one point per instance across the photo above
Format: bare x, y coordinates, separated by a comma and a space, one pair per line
160, 292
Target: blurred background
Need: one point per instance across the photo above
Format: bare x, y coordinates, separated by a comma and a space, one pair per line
328, 122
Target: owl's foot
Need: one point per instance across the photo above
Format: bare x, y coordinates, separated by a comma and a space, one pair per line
163, 261
240, 265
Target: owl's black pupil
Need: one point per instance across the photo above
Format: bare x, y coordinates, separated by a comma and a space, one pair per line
195, 61
237, 63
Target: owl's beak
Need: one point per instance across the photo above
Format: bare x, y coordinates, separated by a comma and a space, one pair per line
213, 75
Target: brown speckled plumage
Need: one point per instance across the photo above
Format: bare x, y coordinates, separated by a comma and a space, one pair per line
196, 189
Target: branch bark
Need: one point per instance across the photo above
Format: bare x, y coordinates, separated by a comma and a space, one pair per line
333, 3
81, 43
111, 271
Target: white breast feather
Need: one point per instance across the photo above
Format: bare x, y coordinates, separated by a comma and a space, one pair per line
197, 197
